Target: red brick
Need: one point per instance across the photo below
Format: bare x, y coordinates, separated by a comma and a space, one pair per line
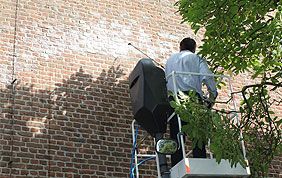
72, 65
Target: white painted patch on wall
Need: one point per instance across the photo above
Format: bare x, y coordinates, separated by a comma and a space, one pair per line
5, 75
108, 37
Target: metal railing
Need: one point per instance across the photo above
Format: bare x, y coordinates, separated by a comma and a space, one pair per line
173, 74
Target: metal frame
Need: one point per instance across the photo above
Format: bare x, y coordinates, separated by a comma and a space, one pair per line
136, 155
184, 164
186, 161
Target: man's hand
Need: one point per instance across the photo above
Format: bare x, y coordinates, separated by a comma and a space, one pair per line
210, 101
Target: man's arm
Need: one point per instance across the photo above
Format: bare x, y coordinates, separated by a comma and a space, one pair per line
208, 80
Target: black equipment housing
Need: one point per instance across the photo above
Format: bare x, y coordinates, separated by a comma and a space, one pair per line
149, 99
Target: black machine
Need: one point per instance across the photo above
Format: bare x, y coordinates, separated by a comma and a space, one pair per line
149, 96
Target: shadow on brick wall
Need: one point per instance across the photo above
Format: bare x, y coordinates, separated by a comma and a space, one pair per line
82, 127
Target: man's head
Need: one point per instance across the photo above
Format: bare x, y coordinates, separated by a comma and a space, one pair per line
188, 44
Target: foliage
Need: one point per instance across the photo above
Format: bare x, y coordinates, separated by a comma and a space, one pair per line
244, 36
262, 129
240, 35
194, 114
202, 124
223, 129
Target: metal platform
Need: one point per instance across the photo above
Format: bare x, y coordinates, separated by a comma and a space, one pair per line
199, 167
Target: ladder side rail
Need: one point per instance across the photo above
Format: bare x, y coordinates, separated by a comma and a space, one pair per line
137, 155
135, 152
241, 132
157, 162
178, 118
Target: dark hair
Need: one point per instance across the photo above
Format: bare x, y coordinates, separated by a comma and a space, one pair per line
188, 44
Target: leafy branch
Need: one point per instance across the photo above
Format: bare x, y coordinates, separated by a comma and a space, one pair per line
249, 40
263, 138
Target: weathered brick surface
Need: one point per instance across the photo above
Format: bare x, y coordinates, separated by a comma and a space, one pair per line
70, 112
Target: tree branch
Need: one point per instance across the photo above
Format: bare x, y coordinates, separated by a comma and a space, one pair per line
225, 112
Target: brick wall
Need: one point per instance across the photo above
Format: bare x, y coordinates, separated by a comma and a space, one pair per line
68, 114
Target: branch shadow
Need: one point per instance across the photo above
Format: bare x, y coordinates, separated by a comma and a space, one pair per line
68, 131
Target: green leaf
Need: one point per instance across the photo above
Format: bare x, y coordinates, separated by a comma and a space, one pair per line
249, 40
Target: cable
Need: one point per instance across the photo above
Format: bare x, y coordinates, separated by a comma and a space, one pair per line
49, 118
12, 97
141, 162
130, 44
132, 153
14, 42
